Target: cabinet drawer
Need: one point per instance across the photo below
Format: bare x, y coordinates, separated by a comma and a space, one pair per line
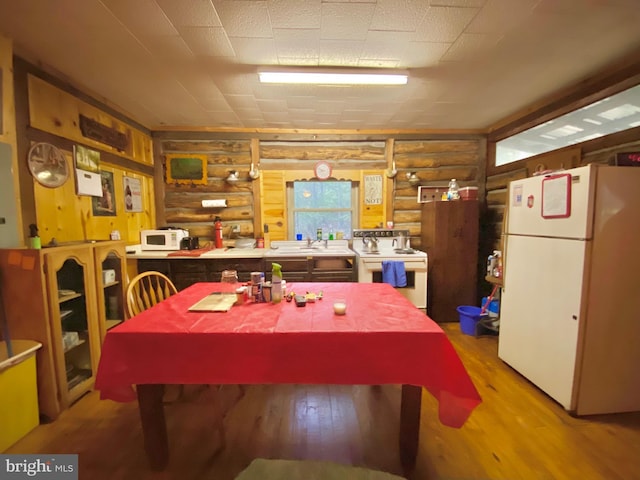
336, 276
333, 264
161, 266
289, 264
239, 265
188, 266
291, 277
183, 280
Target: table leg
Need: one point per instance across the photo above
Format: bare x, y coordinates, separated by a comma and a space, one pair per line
409, 426
154, 427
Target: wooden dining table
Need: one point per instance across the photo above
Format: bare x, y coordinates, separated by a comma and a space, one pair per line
382, 339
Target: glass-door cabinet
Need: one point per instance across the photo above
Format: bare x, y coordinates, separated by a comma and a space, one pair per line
73, 316
110, 270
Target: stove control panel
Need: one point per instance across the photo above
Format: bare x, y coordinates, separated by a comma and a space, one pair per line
379, 233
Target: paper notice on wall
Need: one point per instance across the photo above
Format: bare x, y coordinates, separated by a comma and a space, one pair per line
88, 183
132, 195
87, 162
373, 189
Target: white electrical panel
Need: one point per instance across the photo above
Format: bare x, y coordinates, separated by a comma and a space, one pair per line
214, 203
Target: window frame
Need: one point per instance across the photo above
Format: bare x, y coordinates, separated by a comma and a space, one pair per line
291, 210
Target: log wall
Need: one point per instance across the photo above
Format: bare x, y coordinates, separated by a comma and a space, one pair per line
252, 204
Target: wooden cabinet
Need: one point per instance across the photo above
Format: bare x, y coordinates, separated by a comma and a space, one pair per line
50, 296
449, 235
110, 268
184, 272
315, 269
74, 321
294, 269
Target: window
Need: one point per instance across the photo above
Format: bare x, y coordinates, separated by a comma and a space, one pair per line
330, 205
610, 115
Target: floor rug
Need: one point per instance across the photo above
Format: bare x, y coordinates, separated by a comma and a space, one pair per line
263, 469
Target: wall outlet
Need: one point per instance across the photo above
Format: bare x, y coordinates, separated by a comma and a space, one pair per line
214, 203
235, 228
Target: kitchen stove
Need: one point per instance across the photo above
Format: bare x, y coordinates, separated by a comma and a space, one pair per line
389, 242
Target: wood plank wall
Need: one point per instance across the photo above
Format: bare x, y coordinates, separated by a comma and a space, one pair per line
434, 160
60, 213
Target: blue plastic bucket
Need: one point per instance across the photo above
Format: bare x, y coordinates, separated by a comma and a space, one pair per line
469, 317
494, 307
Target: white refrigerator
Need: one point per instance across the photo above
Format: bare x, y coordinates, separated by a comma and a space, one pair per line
570, 308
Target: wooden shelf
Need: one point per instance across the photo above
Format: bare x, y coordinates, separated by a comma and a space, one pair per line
112, 323
66, 298
71, 347
107, 285
494, 280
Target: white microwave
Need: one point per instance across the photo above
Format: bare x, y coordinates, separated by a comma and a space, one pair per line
168, 239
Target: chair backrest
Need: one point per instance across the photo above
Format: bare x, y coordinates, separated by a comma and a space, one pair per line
147, 289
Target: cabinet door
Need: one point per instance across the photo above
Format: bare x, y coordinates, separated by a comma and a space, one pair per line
73, 316
185, 273
109, 266
449, 235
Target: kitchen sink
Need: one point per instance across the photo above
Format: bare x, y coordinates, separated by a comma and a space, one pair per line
315, 252
293, 249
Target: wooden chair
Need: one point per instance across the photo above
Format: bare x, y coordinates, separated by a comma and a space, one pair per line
147, 289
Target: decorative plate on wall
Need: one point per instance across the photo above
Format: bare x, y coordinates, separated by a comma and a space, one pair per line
48, 165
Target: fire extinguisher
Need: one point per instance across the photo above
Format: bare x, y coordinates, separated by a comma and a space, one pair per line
218, 232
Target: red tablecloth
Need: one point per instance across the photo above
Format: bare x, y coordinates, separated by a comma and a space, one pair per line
383, 339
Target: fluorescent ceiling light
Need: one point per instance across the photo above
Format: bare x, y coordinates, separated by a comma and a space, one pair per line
333, 78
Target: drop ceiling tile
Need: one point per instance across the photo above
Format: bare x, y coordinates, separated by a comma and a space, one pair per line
458, 3
399, 15
468, 45
498, 16
297, 43
340, 53
423, 54
276, 116
167, 47
294, 14
244, 18
142, 17
244, 102
310, 61
234, 82
346, 21
209, 41
194, 13
385, 45
444, 24
387, 64
251, 52
273, 105
302, 102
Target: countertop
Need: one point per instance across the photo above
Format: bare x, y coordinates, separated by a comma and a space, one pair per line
293, 249
134, 251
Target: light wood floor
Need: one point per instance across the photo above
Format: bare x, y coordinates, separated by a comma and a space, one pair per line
516, 433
